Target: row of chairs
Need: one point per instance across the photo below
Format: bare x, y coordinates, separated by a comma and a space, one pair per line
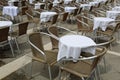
55, 20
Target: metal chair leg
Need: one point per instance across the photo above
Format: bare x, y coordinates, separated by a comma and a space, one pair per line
59, 76
98, 70
82, 78
31, 70
11, 49
96, 75
105, 66
17, 45
50, 75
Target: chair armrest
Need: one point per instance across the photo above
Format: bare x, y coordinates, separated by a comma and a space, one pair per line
67, 29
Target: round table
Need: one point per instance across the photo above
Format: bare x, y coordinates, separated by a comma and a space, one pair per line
46, 16
10, 10
70, 9
113, 14
72, 45
101, 22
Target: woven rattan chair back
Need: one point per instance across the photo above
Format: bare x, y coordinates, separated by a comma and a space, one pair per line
36, 39
65, 15
4, 34
54, 19
54, 30
24, 8
23, 28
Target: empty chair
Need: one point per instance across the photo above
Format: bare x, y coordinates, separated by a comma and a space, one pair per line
40, 7
84, 67
4, 32
23, 3
56, 9
32, 19
29, 14
50, 5
16, 3
22, 30
63, 17
56, 32
23, 9
39, 53
22, 12
83, 26
52, 21
3, 2
74, 14
110, 30
104, 39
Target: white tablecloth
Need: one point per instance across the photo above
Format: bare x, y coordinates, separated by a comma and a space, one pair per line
56, 3
5, 23
101, 22
10, 10
46, 16
67, 1
10, 2
31, 1
101, 1
113, 14
117, 8
70, 9
94, 3
72, 45
85, 6
37, 5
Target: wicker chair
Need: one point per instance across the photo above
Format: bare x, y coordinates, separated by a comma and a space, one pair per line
23, 3
50, 6
16, 3
83, 25
84, 67
110, 31
32, 18
72, 16
52, 21
22, 13
63, 17
56, 31
39, 53
22, 30
4, 31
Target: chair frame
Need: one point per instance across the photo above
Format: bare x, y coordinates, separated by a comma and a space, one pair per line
5, 40
42, 52
96, 58
21, 31
83, 26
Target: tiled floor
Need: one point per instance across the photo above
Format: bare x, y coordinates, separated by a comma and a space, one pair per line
112, 60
